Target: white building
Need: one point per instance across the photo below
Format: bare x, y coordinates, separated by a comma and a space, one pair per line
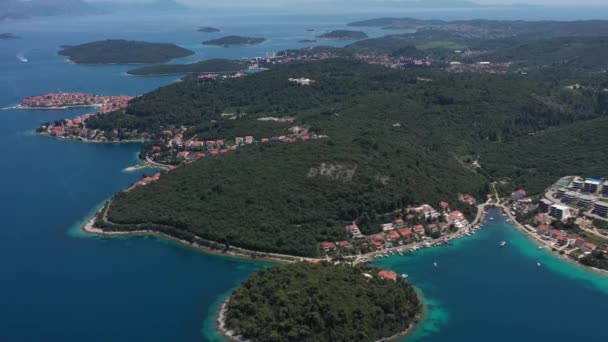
559, 211
601, 209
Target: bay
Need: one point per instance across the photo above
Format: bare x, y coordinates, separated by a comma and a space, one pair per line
58, 284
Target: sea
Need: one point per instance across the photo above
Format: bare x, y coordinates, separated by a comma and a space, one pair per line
59, 284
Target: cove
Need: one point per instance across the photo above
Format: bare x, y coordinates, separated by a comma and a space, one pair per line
481, 292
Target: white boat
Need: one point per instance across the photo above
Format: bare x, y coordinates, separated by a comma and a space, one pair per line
491, 219
538, 264
404, 276
540, 247
21, 57
435, 264
503, 243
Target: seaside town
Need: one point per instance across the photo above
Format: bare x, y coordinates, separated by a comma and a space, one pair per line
412, 229
75, 128
570, 219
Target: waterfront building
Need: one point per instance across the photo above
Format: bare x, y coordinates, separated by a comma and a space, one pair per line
591, 185
601, 209
544, 206
387, 275
560, 193
559, 211
605, 189
586, 201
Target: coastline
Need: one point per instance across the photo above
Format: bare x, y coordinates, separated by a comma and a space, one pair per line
546, 245
20, 107
234, 252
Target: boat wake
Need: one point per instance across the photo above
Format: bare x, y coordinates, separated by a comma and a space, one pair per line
21, 57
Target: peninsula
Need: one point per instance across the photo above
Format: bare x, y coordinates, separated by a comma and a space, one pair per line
208, 66
348, 304
234, 40
343, 35
119, 51
208, 29
319, 155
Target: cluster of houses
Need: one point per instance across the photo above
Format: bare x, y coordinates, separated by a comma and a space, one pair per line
75, 128
419, 223
561, 238
172, 148
521, 203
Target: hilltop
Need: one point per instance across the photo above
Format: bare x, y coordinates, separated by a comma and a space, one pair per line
121, 51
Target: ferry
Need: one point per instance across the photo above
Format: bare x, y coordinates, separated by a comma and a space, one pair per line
503, 243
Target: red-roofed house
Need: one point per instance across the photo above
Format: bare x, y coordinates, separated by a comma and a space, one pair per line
345, 245
387, 275
393, 236
445, 206
589, 247
328, 246
518, 194
543, 229
557, 233
265, 140
455, 216
405, 232
419, 229
398, 223
249, 139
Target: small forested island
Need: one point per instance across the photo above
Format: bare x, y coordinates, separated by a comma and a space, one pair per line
320, 302
7, 36
120, 51
208, 66
307, 41
234, 40
208, 29
343, 35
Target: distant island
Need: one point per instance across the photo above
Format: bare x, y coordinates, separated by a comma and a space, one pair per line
343, 35
208, 29
320, 302
234, 40
8, 36
307, 41
120, 51
208, 66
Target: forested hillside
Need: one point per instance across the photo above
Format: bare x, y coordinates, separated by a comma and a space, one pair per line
394, 138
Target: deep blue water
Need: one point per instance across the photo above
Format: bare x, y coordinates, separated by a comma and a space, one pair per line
59, 285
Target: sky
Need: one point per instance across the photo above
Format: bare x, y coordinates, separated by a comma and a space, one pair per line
287, 3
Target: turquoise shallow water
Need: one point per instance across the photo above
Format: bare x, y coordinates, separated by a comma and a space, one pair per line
482, 292
60, 285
